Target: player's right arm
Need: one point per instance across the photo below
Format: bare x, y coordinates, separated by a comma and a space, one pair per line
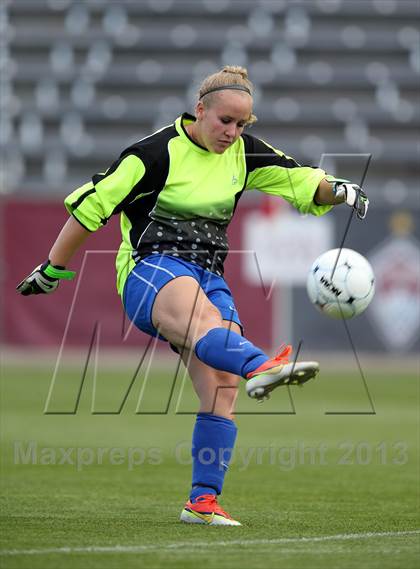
90, 207
70, 238
46, 277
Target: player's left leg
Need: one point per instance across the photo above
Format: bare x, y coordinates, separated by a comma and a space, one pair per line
216, 390
213, 439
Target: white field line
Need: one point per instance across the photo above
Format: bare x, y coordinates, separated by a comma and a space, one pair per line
201, 544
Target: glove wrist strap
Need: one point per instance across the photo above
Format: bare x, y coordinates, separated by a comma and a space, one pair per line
339, 192
55, 273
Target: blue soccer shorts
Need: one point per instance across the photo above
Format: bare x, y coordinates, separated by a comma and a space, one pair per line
154, 272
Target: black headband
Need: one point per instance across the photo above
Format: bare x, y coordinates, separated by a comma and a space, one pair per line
235, 87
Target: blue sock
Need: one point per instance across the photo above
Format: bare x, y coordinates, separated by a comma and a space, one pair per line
212, 445
225, 350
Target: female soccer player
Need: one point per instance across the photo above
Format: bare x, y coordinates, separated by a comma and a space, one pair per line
176, 192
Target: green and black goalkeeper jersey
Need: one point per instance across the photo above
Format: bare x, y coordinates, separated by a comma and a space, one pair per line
176, 197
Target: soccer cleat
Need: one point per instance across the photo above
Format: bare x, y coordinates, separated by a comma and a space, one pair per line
278, 371
206, 510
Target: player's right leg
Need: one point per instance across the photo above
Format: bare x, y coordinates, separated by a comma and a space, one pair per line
279, 371
183, 314
185, 317
163, 296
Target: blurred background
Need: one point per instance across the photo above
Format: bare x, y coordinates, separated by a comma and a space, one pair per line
337, 85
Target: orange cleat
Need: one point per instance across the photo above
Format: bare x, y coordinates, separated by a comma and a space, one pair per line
206, 510
278, 371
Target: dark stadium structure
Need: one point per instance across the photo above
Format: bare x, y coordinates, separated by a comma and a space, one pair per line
81, 80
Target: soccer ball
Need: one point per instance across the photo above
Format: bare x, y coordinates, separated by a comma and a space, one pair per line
341, 288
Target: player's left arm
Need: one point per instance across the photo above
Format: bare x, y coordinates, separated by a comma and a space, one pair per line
307, 188
333, 191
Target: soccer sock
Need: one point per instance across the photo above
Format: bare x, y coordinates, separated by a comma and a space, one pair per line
212, 445
226, 350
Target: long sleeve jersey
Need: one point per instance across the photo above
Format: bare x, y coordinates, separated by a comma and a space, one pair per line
175, 197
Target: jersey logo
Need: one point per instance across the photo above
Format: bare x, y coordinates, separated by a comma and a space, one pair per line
234, 180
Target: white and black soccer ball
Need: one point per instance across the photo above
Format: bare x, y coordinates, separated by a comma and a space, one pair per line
341, 283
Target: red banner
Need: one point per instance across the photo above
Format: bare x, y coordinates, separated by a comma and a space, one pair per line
28, 230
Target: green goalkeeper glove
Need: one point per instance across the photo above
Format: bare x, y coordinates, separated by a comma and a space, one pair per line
351, 194
44, 279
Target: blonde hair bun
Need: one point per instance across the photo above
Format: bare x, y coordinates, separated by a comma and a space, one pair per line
236, 70
230, 77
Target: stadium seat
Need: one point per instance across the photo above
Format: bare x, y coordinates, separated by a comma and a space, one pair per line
329, 75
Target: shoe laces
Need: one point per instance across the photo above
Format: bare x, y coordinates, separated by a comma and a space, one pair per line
283, 354
211, 500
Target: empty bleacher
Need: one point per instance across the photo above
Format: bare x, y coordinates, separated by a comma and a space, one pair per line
80, 80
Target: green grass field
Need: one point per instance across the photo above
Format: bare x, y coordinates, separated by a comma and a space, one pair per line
317, 480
